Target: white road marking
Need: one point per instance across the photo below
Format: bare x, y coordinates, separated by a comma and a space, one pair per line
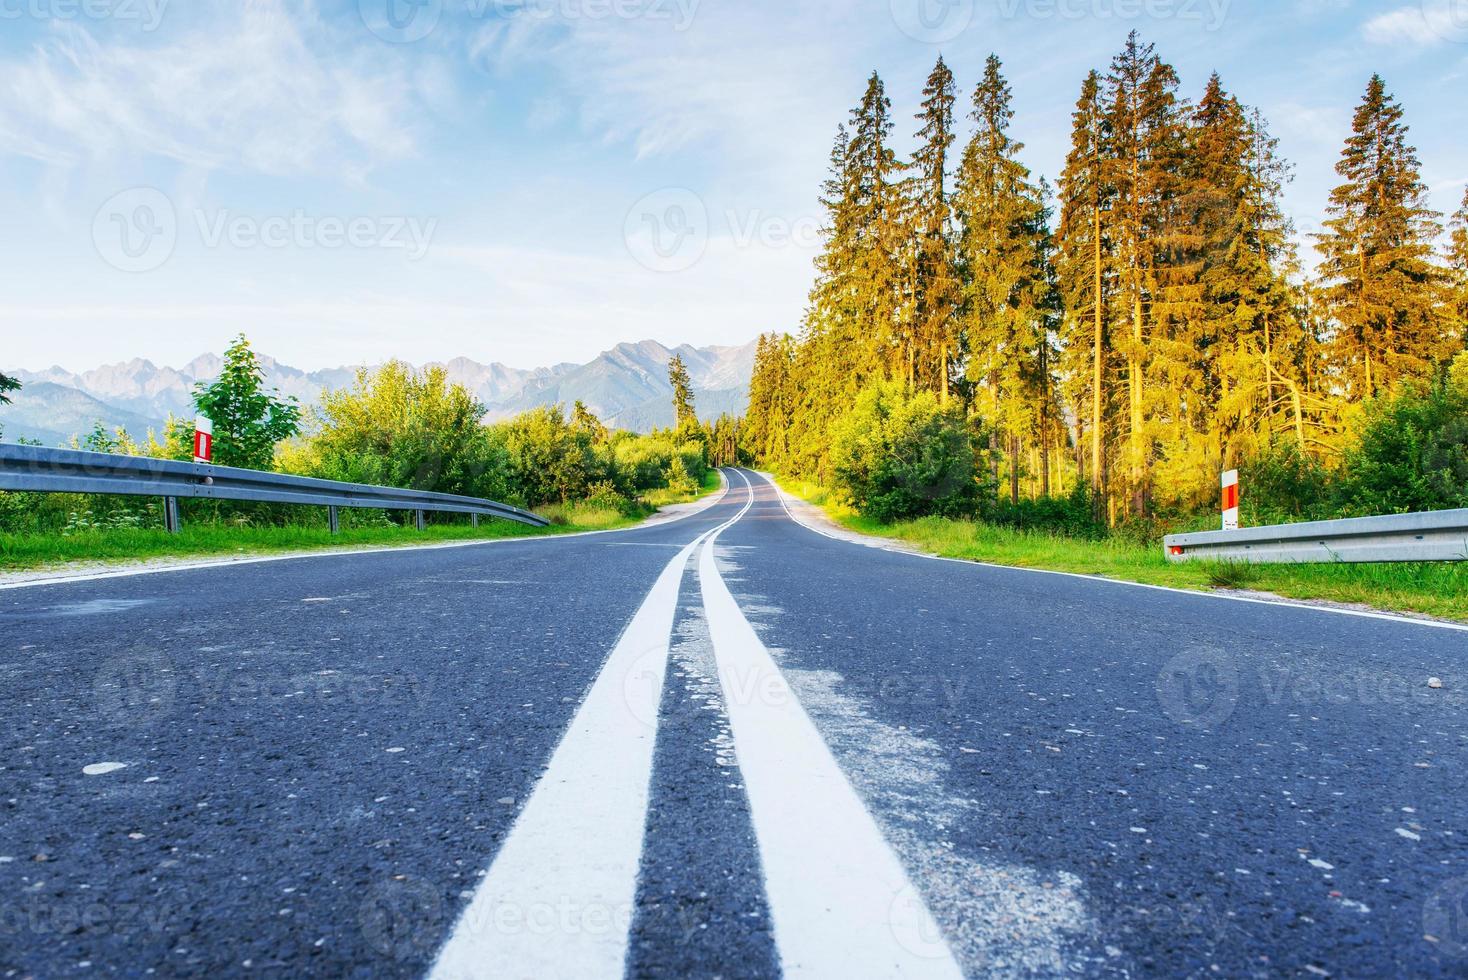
558, 898
840, 899
1281, 603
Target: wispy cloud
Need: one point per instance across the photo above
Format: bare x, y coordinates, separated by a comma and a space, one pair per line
247, 92
1425, 24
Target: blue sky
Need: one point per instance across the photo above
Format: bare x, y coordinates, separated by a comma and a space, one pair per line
532, 182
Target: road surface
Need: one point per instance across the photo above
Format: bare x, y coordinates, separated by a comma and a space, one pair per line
726, 746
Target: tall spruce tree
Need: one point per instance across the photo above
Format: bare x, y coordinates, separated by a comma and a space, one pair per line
683, 410
1231, 305
1087, 279
1003, 249
1458, 261
1146, 135
931, 281
873, 193
1380, 281
767, 423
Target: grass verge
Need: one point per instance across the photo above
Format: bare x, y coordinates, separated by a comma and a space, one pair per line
1431, 588
32, 552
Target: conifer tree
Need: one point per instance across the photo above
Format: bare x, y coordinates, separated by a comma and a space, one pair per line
1229, 308
7, 385
1458, 261
1146, 139
1003, 249
851, 334
1086, 277
683, 410
585, 420
931, 280
1380, 282
873, 196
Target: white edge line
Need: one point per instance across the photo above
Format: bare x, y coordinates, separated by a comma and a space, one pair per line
708, 502
1283, 604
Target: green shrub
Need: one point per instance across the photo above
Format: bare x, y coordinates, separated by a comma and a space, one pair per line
1412, 454
550, 459
1073, 515
901, 455
1283, 486
397, 427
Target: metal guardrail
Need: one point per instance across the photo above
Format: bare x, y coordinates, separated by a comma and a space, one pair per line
38, 470
1432, 536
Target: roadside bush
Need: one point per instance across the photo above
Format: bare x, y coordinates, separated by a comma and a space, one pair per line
650, 462
551, 459
606, 495
1282, 486
900, 455
1413, 451
1072, 515
400, 428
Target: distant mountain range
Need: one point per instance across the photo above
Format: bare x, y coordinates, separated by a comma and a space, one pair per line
626, 386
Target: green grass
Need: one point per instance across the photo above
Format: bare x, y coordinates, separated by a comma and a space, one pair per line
666, 498
1432, 588
29, 552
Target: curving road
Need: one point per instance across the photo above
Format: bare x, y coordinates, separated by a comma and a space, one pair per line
726, 746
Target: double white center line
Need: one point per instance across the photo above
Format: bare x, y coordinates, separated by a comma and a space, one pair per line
559, 897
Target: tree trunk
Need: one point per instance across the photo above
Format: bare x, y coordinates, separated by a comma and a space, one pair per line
1096, 366
1014, 469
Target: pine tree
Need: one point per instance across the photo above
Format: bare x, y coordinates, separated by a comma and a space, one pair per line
874, 197
931, 281
1228, 312
1380, 283
683, 409
1086, 277
585, 420
1458, 260
851, 331
7, 385
1146, 137
1003, 249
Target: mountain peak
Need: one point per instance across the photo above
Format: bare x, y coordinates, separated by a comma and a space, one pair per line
626, 385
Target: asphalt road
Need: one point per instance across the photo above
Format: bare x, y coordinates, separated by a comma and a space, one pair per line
726, 746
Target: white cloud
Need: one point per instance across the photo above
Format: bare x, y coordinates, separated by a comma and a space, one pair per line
1424, 24
247, 93
744, 82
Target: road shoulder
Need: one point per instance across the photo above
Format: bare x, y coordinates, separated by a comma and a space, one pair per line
90, 570
816, 519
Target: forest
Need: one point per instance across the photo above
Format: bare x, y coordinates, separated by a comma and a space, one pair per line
1097, 352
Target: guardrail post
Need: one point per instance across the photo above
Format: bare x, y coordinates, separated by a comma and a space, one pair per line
418, 519
474, 519
333, 519
170, 515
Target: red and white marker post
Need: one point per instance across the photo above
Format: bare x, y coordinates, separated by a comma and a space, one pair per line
1231, 500
203, 440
